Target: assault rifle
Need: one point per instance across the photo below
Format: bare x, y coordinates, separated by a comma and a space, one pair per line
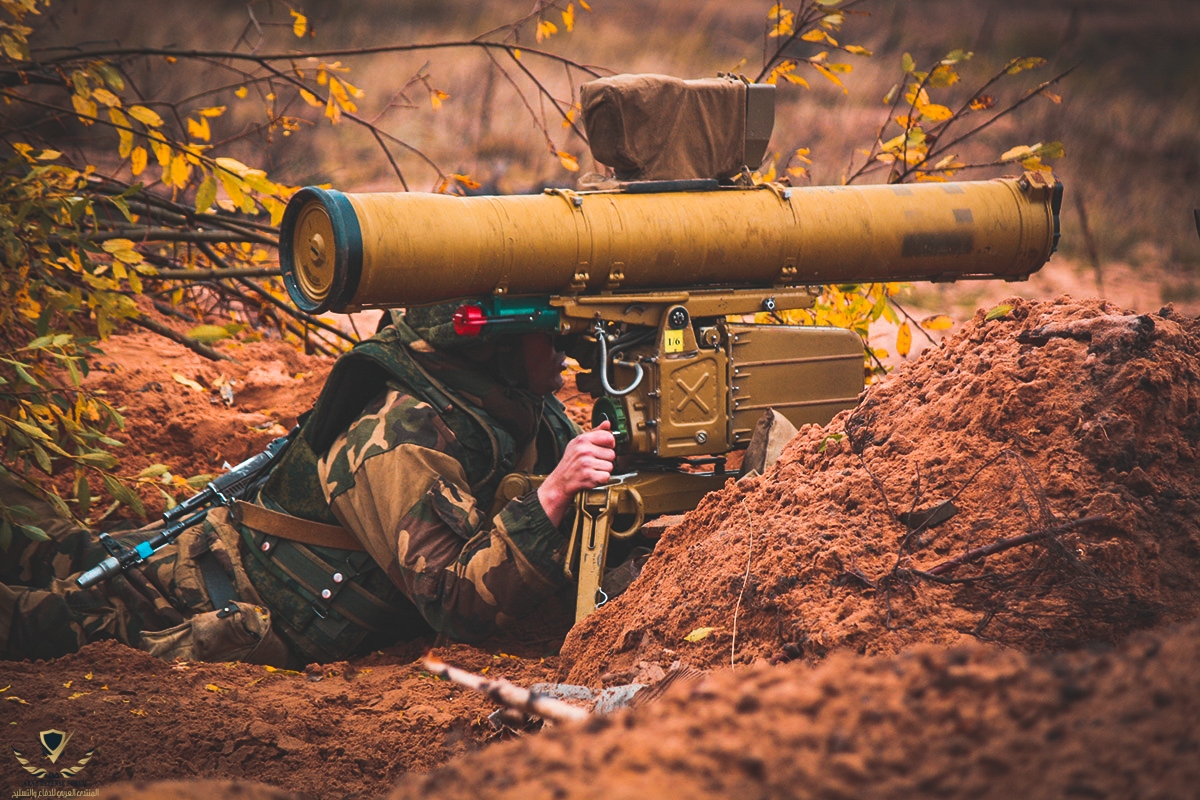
654, 277
222, 490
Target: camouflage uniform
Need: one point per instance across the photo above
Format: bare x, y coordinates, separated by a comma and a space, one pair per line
404, 448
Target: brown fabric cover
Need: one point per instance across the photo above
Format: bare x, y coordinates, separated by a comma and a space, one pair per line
655, 127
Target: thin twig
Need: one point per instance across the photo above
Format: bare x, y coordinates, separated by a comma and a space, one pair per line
186, 341
1006, 544
213, 274
745, 582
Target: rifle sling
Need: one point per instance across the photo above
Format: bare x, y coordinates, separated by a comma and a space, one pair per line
296, 529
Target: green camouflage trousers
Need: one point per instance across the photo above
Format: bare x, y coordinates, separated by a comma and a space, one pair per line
161, 606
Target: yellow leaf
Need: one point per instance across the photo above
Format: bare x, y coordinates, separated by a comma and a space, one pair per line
274, 208
936, 112
207, 334
339, 93
126, 136
212, 111
87, 677
212, 687
856, 50
85, 108
569, 162
188, 382
233, 187
145, 116
241, 92
299, 24
791, 77
699, 634
516, 53
137, 161
569, 17
199, 129
15, 699
333, 111
903, 339
545, 29
232, 165
290, 671
137, 712
1016, 153
181, 170
833, 78
1022, 64
941, 322
466, 181
162, 150
106, 97
127, 256
112, 246
436, 97
310, 98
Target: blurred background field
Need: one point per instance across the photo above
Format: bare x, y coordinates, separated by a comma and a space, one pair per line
1129, 116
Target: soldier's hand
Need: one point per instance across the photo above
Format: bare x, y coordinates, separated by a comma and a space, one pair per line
587, 463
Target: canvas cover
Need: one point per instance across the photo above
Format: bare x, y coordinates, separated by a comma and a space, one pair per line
655, 127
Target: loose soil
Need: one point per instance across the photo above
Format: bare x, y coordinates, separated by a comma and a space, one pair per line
854, 645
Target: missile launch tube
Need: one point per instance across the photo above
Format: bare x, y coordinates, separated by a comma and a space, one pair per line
343, 251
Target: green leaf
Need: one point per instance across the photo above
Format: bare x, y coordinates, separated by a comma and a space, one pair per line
999, 312
122, 494
23, 375
83, 494
110, 75
99, 459
200, 481
206, 194
34, 532
59, 505
122, 206
154, 471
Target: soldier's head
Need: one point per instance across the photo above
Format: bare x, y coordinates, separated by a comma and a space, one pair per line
530, 361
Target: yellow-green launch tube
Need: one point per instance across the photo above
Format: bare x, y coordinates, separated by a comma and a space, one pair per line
342, 251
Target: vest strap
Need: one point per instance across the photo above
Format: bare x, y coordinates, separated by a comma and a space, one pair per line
296, 529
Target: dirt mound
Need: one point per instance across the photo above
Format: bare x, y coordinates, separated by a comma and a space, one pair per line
972, 721
1070, 424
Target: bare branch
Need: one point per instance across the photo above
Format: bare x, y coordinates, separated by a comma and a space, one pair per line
507, 694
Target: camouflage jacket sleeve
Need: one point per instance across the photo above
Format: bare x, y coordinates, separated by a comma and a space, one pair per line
395, 480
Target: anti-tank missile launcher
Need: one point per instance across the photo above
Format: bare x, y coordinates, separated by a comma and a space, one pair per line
652, 271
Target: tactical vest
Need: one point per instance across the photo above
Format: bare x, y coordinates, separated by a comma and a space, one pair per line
332, 603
